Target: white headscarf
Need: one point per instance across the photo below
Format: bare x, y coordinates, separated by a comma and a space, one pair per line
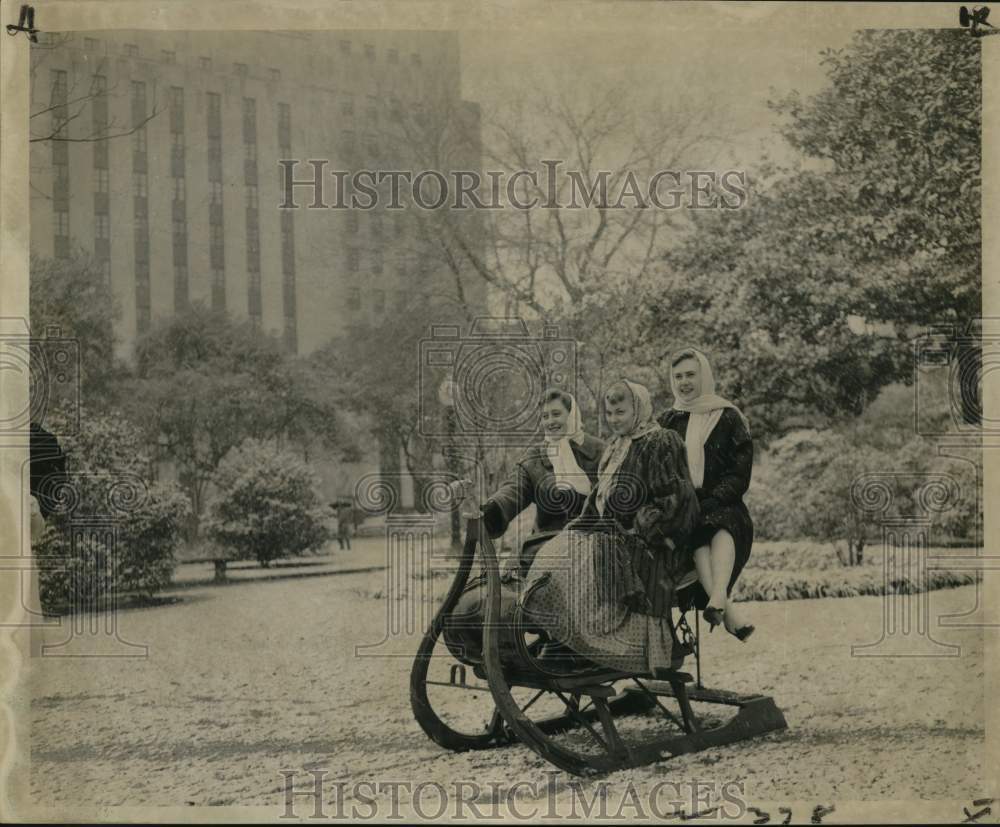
617, 448
705, 412
567, 470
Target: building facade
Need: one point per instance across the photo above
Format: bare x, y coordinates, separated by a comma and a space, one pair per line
171, 177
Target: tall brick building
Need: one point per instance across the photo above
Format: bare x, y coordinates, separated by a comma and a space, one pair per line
185, 208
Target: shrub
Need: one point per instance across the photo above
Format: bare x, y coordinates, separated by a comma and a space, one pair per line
804, 487
267, 505
135, 524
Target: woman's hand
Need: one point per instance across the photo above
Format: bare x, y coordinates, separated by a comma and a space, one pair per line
465, 496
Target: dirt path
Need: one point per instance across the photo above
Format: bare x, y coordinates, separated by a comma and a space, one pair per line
246, 681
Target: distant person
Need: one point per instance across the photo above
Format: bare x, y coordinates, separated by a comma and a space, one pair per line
345, 523
720, 458
47, 468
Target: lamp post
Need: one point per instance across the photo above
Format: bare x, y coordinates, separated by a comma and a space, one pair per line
446, 396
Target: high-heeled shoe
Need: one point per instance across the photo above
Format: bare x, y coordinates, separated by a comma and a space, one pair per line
743, 632
713, 617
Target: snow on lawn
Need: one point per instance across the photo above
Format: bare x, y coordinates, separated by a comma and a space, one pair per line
244, 681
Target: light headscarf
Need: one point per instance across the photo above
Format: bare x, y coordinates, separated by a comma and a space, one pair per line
705, 412
567, 470
617, 449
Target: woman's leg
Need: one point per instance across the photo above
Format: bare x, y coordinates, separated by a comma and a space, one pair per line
703, 565
722, 556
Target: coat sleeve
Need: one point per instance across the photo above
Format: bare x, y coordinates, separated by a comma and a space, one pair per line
514, 495
671, 510
734, 483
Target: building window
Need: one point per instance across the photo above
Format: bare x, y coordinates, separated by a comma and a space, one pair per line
138, 102
393, 56
101, 154
240, 69
168, 56
91, 44
352, 259
176, 110
218, 289
101, 180
376, 226
131, 50
139, 141
213, 109
284, 126
62, 223
370, 51
179, 188
249, 120
180, 287
354, 298
205, 63
102, 226
378, 301
416, 59
139, 185
275, 75
352, 222
215, 192
345, 47
377, 261
252, 198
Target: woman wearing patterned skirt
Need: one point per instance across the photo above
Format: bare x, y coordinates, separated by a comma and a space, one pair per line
604, 586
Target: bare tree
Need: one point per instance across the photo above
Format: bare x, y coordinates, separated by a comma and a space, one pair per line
589, 155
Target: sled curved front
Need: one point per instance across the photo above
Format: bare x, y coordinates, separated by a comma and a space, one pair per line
448, 736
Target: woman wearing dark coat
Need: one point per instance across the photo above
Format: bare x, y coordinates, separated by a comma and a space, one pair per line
720, 458
556, 477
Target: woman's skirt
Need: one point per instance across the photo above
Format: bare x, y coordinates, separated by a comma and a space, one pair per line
735, 519
583, 593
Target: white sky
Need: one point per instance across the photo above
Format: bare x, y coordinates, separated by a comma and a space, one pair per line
734, 70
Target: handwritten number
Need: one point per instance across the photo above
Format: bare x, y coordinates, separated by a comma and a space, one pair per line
819, 811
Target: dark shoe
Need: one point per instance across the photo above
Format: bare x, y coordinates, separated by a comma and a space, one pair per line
743, 632
713, 617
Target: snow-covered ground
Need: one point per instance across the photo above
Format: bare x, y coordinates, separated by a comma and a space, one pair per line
246, 681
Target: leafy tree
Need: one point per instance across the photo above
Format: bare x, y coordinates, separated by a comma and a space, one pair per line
73, 297
205, 383
883, 229
108, 477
